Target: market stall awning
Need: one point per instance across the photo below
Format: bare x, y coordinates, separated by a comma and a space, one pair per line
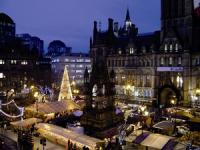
164, 125
25, 123
53, 107
53, 131
78, 113
157, 141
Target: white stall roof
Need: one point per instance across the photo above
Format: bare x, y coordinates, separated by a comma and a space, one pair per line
157, 141
68, 134
164, 125
26, 122
54, 107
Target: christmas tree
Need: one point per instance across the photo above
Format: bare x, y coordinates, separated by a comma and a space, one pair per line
65, 89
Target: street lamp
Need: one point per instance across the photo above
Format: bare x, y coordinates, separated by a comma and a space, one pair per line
198, 94
32, 87
36, 94
73, 83
173, 103
128, 87
143, 112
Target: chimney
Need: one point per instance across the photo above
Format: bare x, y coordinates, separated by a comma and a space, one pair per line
95, 31
110, 25
116, 27
95, 27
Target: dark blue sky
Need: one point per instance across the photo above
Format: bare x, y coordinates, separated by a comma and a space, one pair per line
72, 20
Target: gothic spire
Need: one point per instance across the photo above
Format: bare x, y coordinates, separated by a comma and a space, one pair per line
86, 75
128, 15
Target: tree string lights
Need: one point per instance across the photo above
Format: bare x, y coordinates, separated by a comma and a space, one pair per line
21, 109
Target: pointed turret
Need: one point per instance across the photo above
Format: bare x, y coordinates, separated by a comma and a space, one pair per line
90, 42
95, 31
86, 75
128, 23
128, 16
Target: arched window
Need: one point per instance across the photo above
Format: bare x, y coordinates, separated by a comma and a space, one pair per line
170, 60
162, 61
170, 47
176, 47
94, 90
179, 60
179, 81
165, 47
131, 51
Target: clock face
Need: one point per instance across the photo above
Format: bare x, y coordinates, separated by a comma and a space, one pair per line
197, 7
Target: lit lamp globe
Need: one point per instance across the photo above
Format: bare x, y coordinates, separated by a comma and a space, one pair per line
172, 101
128, 87
32, 87
36, 94
143, 108
146, 113
198, 91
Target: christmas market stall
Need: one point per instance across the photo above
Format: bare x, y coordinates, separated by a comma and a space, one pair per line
25, 124
67, 137
48, 110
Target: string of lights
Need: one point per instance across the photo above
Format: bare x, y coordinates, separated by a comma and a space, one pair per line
21, 109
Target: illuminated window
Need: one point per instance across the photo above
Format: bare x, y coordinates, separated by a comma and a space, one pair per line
170, 60
66, 60
162, 61
88, 66
123, 77
24, 62
56, 60
79, 60
79, 71
131, 50
176, 47
73, 60
87, 60
72, 66
13, 61
2, 62
179, 81
79, 66
179, 60
1, 75
170, 47
120, 52
165, 47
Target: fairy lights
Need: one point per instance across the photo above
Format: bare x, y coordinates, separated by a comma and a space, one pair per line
21, 109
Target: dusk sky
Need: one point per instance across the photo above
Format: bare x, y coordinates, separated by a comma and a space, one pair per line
72, 20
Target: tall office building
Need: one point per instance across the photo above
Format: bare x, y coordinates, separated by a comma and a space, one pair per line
76, 64
19, 65
32, 42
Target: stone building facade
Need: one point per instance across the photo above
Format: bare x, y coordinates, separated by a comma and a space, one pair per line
162, 65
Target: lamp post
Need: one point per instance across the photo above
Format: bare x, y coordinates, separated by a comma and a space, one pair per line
143, 112
198, 95
36, 102
128, 87
173, 103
